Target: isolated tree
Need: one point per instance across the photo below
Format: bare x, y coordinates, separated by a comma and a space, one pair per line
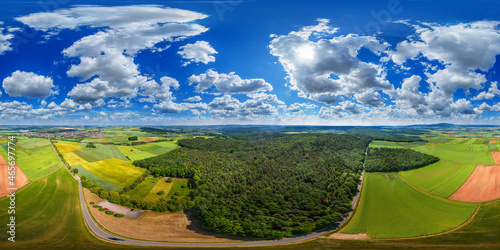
75, 170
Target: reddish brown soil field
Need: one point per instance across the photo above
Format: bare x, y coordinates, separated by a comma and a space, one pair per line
20, 180
483, 185
101, 140
496, 157
493, 141
148, 139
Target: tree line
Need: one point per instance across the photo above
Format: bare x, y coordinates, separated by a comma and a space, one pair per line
396, 159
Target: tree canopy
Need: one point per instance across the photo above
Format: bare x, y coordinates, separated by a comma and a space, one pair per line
272, 185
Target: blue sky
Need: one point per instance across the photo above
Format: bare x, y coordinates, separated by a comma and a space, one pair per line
249, 62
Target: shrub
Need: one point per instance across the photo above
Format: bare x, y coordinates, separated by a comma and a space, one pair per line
102, 209
169, 180
110, 212
96, 206
119, 215
161, 192
92, 203
183, 186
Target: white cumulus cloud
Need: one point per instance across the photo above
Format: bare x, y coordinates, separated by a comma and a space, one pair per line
228, 83
198, 52
28, 84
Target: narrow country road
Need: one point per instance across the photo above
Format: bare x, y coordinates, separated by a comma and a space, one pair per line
116, 239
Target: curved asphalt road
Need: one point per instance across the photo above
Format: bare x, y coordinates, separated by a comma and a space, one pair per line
116, 239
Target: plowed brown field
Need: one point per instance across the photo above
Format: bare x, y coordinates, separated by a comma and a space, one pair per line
20, 180
483, 185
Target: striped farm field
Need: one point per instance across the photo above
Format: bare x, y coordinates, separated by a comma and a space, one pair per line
109, 150
118, 172
90, 155
391, 208
133, 153
442, 178
97, 180
107, 172
35, 163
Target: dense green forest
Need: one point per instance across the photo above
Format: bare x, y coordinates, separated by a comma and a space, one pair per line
270, 185
396, 159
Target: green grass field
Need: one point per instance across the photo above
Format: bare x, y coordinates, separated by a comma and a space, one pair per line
35, 163
384, 144
109, 150
133, 153
90, 155
457, 153
48, 216
97, 180
33, 143
390, 144
442, 178
143, 189
391, 208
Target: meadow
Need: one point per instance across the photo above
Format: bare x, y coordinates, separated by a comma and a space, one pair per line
150, 187
143, 189
442, 178
160, 185
391, 208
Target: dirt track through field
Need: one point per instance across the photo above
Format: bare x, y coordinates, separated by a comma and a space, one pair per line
482, 185
20, 180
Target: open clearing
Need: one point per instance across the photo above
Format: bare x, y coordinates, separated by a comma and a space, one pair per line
482, 185
384, 144
391, 208
143, 189
175, 227
442, 178
160, 185
20, 180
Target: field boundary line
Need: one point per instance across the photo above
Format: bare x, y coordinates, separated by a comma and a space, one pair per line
425, 191
456, 172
